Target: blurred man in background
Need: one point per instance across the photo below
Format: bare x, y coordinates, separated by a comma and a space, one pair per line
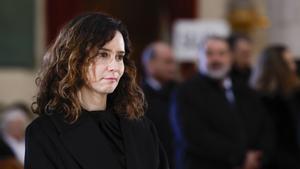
7, 157
222, 123
14, 120
242, 52
158, 84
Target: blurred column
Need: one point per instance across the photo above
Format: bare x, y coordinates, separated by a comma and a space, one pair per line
40, 31
285, 23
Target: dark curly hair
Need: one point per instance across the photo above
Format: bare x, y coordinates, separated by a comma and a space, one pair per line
65, 64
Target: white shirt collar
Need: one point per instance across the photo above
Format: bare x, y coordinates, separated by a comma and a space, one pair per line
18, 147
153, 83
227, 83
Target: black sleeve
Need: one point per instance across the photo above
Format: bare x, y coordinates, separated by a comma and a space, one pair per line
163, 160
201, 140
5, 151
35, 156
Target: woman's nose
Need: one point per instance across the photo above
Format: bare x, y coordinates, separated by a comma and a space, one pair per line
113, 65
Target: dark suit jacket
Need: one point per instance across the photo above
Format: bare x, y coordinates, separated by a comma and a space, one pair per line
240, 76
5, 150
158, 112
53, 144
218, 135
7, 157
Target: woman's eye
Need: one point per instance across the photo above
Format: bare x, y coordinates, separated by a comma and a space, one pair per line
120, 57
103, 54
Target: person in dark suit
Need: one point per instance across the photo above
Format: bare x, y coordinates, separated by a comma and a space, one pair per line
14, 120
5, 151
241, 47
222, 123
158, 85
276, 79
89, 105
8, 159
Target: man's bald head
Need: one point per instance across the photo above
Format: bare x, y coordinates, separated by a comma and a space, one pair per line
159, 61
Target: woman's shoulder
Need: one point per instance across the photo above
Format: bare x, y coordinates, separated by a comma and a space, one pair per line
40, 126
37, 122
34, 130
140, 122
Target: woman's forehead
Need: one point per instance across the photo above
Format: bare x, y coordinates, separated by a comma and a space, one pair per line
116, 44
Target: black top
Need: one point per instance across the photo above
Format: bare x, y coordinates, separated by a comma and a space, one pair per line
54, 143
109, 125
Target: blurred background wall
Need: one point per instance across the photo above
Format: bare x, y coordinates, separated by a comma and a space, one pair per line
269, 21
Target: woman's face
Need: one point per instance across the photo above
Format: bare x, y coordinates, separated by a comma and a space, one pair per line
107, 68
288, 57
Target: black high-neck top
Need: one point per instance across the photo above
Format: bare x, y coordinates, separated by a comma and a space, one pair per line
109, 126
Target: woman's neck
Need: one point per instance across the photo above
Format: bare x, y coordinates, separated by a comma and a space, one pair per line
91, 100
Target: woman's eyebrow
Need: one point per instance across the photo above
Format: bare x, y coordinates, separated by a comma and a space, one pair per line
121, 52
108, 50
105, 49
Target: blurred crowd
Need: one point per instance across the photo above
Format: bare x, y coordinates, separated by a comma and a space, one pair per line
230, 114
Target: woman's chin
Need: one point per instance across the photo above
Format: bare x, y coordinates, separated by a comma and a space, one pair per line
109, 90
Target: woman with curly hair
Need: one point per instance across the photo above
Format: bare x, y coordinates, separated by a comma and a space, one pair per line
89, 105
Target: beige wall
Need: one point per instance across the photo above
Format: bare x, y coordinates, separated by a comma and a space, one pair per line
16, 86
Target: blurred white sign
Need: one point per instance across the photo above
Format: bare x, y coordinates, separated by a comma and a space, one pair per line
188, 34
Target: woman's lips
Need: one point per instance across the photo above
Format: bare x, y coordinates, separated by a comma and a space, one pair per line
111, 78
